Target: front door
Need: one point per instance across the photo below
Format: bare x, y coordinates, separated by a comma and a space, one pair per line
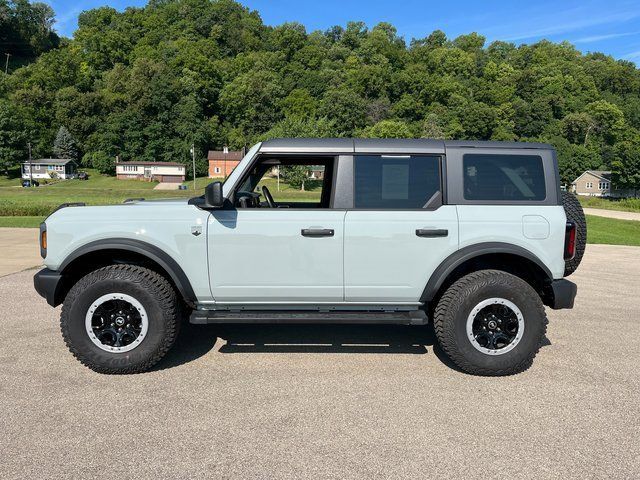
399, 231
278, 243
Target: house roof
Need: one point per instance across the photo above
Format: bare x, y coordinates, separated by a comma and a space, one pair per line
218, 155
603, 174
152, 164
51, 161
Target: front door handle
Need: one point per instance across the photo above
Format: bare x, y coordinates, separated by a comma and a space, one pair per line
317, 232
432, 232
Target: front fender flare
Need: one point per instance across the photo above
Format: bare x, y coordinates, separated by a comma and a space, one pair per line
153, 253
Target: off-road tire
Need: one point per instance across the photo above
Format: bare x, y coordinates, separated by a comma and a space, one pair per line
574, 213
455, 305
149, 288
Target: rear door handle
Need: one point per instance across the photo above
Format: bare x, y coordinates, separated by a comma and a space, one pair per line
317, 232
432, 232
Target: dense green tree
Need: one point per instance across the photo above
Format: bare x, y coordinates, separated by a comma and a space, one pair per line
295, 175
387, 129
147, 83
626, 165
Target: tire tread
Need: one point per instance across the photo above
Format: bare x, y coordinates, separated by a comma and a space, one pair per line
444, 324
153, 282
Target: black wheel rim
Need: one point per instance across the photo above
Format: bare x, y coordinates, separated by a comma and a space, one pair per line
495, 326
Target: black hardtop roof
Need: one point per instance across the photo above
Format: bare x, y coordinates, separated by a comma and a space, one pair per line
383, 145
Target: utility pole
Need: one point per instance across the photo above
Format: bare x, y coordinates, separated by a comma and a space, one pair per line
6, 64
193, 157
225, 150
30, 166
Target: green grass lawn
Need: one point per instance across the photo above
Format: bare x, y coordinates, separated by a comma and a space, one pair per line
21, 222
105, 190
624, 205
612, 231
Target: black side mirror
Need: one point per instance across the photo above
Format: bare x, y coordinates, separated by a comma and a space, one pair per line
213, 195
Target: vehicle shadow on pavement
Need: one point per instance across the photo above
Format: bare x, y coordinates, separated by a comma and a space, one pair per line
194, 341
328, 338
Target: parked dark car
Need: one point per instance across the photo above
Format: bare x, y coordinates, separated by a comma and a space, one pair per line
30, 183
83, 176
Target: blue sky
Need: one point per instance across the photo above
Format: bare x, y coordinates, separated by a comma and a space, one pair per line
612, 27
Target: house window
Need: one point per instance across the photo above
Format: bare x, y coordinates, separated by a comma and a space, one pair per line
589, 185
216, 170
603, 185
130, 168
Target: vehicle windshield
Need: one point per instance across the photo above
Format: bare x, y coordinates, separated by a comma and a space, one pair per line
237, 172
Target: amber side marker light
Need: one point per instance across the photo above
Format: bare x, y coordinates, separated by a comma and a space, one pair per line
43, 240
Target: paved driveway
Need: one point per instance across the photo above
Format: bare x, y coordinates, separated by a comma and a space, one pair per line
600, 212
19, 249
255, 402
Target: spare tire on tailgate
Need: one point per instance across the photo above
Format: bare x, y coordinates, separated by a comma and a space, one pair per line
575, 214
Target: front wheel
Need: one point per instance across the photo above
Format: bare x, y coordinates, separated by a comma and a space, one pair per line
490, 323
120, 319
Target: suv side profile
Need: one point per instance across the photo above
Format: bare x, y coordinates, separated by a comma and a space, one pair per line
475, 237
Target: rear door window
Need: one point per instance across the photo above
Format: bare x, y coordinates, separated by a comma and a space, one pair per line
395, 182
497, 177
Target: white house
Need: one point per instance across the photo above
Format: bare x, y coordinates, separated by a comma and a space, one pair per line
168, 172
49, 168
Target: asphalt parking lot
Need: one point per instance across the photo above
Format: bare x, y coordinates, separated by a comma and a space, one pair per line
330, 401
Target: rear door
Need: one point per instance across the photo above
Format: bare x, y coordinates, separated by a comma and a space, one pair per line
399, 231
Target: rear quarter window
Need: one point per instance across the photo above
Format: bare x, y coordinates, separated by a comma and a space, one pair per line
497, 177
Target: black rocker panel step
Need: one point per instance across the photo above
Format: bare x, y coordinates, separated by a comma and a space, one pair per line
415, 317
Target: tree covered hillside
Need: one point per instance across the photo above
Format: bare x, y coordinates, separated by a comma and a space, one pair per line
146, 83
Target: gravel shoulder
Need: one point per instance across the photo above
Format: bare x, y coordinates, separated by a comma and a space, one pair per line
330, 401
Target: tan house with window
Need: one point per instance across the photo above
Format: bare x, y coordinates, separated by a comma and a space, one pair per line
168, 172
597, 183
593, 183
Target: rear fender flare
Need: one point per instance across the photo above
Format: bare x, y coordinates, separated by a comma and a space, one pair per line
457, 258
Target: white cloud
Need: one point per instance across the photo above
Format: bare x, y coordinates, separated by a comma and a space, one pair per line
561, 22
607, 36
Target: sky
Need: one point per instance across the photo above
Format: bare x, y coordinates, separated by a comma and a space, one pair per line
612, 26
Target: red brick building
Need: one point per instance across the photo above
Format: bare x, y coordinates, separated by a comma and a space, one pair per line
222, 163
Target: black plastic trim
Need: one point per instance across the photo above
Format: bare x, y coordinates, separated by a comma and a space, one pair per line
150, 251
317, 232
47, 284
432, 232
456, 259
564, 294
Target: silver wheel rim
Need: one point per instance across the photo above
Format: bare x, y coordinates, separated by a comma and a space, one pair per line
118, 322
474, 336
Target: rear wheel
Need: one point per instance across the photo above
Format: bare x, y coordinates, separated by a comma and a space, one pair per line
120, 319
490, 323
575, 214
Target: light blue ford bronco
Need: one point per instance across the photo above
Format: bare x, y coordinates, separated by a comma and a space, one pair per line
474, 237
